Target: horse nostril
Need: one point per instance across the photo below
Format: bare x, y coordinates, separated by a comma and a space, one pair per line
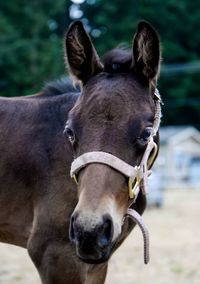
105, 233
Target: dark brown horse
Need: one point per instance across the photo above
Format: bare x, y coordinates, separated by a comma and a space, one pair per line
71, 231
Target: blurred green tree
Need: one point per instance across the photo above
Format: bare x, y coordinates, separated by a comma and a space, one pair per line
178, 24
31, 35
31, 44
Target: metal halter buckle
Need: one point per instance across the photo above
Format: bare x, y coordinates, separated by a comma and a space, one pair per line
75, 178
133, 185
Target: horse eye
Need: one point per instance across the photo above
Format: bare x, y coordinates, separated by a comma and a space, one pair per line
69, 133
144, 137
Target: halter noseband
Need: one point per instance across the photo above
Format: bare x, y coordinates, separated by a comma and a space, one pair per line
136, 175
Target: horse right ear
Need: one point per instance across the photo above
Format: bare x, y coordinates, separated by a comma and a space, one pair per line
82, 59
146, 52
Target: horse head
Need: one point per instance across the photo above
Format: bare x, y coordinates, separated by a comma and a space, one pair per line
114, 115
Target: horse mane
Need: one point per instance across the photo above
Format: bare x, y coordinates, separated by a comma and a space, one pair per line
58, 87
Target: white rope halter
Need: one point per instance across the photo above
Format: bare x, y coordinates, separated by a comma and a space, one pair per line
137, 175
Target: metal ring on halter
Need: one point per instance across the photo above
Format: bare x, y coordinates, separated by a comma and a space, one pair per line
75, 178
152, 156
133, 185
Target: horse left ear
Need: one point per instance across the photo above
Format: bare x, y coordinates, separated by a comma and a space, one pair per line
82, 59
146, 52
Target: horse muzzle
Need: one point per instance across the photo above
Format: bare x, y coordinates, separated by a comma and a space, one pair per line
92, 245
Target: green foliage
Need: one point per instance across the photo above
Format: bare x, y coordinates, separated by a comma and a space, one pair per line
178, 24
31, 38
31, 44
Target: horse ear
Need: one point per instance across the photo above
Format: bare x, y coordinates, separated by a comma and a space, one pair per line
82, 59
146, 52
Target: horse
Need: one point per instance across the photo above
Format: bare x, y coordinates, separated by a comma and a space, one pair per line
70, 229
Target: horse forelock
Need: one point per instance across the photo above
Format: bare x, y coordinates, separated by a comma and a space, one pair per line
117, 60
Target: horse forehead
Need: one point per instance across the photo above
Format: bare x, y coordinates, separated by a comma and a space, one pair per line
115, 98
112, 83
106, 105
111, 89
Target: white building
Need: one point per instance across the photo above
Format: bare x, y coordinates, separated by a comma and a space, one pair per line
179, 159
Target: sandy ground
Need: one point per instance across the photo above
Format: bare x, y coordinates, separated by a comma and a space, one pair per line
175, 249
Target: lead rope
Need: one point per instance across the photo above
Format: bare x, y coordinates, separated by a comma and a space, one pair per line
135, 217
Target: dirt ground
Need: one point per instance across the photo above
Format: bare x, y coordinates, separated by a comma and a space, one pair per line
174, 248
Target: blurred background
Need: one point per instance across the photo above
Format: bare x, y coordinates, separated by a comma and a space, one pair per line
31, 53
